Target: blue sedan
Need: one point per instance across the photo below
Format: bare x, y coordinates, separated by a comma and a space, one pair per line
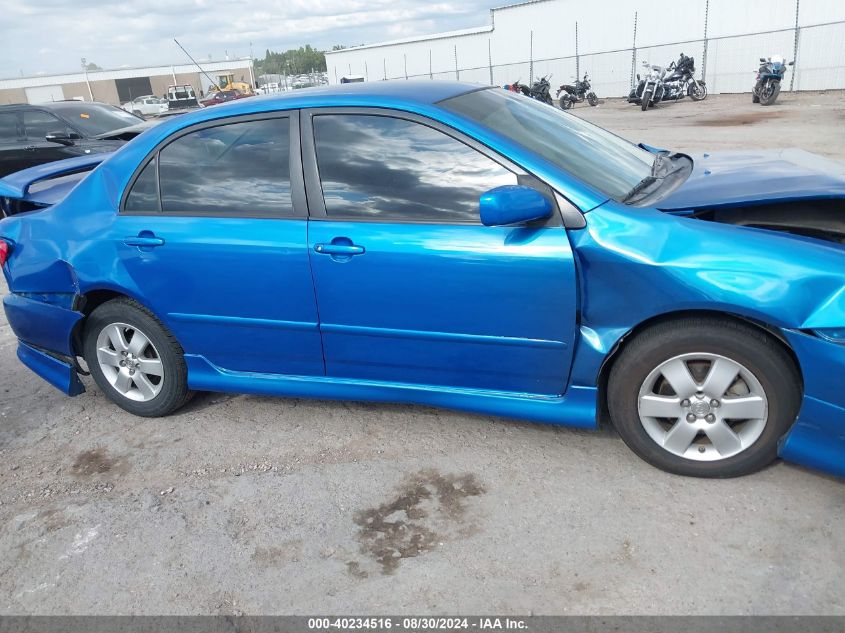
450, 245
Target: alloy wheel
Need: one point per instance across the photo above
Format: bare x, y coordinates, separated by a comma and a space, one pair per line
130, 362
703, 407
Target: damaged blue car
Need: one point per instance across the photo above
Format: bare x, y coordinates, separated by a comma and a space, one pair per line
449, 245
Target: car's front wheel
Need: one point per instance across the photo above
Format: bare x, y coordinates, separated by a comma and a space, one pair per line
134, 360
704, 397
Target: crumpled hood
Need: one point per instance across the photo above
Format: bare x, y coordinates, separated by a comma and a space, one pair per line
726, 179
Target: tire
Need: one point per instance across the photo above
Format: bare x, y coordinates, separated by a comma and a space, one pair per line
565, 103
160, 390
646, 100
767, 383
755, 98
137, 113
592, 99
697, 91
768, 97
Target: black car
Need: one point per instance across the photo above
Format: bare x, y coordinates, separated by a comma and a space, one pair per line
34, 134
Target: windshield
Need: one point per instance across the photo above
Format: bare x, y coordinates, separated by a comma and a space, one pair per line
595, 156
95, 118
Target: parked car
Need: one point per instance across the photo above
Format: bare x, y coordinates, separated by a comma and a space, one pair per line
425, 242
222, 96
181, 97
34, 134
148, 105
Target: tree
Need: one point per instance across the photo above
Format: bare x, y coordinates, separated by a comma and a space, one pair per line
294, 61
92, 66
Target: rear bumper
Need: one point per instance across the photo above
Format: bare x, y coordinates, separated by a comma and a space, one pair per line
45, 333
45, 325
817, 439
59, 373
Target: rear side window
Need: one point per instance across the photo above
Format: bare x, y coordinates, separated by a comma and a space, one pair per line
144, 194
39, 124
389, 169
8, 127
233, 169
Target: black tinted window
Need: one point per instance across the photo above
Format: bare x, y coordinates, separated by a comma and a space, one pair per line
240, 168
391, 169
39, 124
8, 127
144, 193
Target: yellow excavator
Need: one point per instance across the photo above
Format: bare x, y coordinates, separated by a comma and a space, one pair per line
227, 82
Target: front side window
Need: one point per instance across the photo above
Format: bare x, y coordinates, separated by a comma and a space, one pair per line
233, 169
389, 169
595, 156
39, 124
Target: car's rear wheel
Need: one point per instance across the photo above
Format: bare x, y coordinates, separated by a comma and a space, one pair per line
704, 397
134, 360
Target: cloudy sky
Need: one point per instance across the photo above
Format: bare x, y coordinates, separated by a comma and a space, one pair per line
51, 36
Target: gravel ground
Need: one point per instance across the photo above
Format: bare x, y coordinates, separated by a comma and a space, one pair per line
242, 504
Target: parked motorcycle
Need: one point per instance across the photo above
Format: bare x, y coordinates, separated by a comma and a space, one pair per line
681, 81
540, 90
650, 89
515, 87
576, 93
659, 86
769, 76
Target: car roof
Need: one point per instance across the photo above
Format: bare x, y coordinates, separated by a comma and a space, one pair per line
67, 104
424, 91
378, 93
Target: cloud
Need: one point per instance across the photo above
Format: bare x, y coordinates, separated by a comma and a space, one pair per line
141, 32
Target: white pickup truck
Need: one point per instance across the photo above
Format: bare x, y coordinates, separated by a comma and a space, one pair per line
146, 105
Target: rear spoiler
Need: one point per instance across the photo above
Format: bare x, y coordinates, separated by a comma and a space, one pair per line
16, 186
56, 178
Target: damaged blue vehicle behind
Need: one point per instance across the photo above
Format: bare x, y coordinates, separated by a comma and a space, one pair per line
449, 245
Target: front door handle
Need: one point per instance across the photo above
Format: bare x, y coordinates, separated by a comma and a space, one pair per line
143, 240
339, 249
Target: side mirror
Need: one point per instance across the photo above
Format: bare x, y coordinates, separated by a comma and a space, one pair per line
763, 60
513, 204
638, 77
791, 63
62, 138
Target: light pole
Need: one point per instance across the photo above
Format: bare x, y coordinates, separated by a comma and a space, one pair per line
87, 83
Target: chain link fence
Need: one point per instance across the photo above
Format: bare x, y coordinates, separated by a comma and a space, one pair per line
728, 64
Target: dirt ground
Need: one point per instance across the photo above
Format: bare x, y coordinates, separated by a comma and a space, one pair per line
242, 504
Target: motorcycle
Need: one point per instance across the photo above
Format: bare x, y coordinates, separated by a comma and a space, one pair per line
576, 93
540, 90
769, 76
650, 89
659, 86
682, 82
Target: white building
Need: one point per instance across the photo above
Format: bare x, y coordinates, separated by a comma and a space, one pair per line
738, 32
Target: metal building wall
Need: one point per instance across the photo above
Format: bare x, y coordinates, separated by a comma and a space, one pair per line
524, 41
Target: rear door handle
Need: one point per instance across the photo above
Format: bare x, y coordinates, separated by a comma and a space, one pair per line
339, 249
143, 241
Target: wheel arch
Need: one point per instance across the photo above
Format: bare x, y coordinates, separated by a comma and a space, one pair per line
602, 413
88, 301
